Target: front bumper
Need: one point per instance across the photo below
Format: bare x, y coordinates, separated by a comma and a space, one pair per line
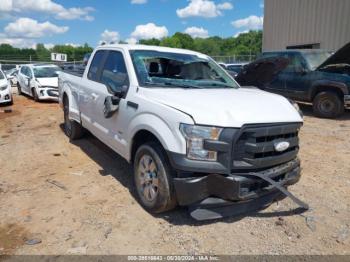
234, 187
5, 97
48, 94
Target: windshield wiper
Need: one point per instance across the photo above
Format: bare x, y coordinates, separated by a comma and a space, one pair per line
217, 84
170, 84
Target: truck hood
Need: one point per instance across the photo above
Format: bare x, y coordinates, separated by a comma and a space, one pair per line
48, 81
261, 71
342, 56
226, 107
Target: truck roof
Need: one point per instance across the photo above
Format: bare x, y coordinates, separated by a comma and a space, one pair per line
297, 51
128, 47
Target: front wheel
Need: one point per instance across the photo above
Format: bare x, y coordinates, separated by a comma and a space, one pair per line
153, 179
35, 95
328, 105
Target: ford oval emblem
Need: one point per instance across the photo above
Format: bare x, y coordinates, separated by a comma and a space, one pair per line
281, 146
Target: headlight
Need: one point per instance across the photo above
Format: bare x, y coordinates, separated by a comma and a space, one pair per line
296, 106
195, 137
3, 88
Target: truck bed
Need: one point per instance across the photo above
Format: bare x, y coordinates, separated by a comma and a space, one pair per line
77, 70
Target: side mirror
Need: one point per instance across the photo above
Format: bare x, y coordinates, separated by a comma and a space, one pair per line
118, 93
111, 105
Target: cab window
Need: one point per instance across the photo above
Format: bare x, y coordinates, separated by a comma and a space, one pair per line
114, 74
95, 65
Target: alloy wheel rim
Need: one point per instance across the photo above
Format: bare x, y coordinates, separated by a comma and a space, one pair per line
327, 106
148, 178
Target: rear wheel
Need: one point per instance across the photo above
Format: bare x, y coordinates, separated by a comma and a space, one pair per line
153, 178
328, 105
71, 128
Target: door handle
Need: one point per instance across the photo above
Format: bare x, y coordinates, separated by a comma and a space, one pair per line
94, 96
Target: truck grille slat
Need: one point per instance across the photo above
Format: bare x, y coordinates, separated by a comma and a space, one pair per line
255, 146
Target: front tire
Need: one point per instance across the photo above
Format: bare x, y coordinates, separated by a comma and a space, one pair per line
328, 105
35, 95
153, 178
72, 129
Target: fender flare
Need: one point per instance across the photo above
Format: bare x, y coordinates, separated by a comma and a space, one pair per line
74, 112
160, 129
328, 84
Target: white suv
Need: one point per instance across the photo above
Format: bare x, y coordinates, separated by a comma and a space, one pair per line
39, 81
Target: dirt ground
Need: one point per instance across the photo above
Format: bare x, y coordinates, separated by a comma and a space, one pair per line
63, 198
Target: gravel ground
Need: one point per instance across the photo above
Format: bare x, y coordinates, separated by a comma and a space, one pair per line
64, 198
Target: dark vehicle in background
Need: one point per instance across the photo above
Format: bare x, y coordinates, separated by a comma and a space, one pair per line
314, 76
236, 67
233, 69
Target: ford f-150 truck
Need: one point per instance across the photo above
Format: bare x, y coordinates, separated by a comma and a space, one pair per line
194, 136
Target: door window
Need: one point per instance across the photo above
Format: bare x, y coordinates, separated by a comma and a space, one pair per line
114, 74
96, 65
29, 72
295, 63
24, 70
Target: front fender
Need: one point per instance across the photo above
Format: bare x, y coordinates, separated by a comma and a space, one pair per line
170, 137
329, 84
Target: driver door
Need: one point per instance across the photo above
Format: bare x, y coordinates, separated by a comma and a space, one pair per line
112, 77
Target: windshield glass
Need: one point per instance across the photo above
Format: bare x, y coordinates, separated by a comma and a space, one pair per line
315, 59
165, 69
2, 76
52, 71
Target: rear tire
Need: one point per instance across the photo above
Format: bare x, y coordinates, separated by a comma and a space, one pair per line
19, 89
72, 129
328, 105
153, 178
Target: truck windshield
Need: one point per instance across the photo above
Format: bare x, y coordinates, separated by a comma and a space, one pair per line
315, 59
166, 69
41, 72
2, 76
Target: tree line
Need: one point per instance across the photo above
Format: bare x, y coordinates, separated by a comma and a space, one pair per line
245, 44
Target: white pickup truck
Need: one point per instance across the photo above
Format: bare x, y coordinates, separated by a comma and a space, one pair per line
193, 135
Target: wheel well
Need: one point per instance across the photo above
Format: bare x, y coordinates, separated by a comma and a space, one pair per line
327, 89
140, 138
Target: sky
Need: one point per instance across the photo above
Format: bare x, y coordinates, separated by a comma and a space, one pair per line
23, 23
